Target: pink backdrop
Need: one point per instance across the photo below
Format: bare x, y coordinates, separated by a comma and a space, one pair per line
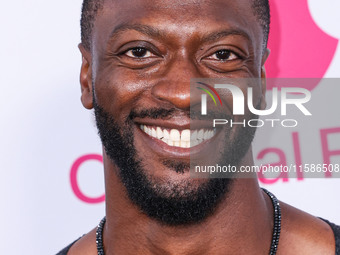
51, 165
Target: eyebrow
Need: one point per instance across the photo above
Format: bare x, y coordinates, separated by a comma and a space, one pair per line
216, 35
154, 32
144, 29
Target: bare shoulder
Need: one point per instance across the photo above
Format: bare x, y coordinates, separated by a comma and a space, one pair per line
303, 233
85, 245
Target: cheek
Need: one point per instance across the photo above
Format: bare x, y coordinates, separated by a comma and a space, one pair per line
118, 92
256, 94
252, 91
246, 94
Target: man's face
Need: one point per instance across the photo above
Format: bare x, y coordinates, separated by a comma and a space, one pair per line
144, 54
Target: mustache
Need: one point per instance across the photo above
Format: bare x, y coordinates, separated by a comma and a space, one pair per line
152, 113
161, 113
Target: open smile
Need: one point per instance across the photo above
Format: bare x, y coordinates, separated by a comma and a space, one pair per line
179, 138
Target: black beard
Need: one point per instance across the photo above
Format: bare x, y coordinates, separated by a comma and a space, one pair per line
174, 204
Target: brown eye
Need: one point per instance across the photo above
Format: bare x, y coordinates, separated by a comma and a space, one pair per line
223, 55
139, 52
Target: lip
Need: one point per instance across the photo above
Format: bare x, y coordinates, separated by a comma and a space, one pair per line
164, 150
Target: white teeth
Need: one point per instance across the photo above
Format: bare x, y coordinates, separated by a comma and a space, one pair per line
206, 135
153, 133
185, 136
159, 133
175, 135
185, 144
194, 135
166, 134
200, 134
177, 138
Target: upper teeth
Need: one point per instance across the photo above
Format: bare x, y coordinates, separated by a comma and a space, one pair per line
180, 138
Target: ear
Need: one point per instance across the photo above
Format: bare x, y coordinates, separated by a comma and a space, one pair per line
86, 78
263, 79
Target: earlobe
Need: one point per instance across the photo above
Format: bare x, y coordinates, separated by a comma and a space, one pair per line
86, 78
265, 56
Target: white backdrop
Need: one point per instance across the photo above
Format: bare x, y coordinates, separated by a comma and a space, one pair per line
45, 130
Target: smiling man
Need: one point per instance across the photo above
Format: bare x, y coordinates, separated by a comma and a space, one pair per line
138, 57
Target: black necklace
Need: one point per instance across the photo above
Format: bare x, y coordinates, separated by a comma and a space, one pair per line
99, 237
275, 236
277, 222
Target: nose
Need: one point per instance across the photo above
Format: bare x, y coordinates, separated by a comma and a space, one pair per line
174, 86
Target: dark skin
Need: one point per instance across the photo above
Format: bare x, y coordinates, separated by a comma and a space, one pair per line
180, 44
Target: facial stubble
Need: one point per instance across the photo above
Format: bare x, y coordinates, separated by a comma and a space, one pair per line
171, 203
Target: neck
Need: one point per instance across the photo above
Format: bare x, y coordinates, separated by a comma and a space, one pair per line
241, 224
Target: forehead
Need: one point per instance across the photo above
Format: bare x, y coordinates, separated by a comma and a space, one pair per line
183, 18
